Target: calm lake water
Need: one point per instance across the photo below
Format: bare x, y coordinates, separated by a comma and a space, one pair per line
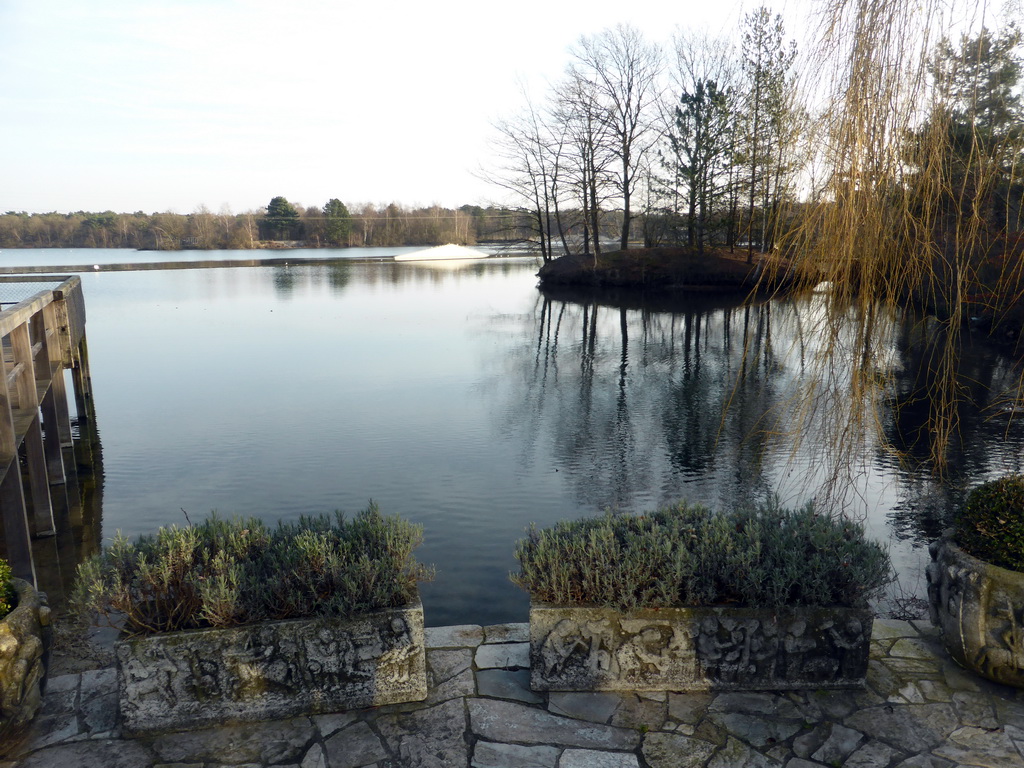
469, 402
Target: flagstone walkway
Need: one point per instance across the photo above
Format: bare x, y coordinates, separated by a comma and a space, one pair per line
919, 710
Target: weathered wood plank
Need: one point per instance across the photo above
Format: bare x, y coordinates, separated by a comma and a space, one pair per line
25, 382
38, 482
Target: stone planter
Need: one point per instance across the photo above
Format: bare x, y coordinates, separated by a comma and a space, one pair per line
272, 670
24, 644
576, 648
979, 609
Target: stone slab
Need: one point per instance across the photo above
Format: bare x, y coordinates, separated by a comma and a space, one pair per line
507, 684
316, 757
91, 754
755, 729
589, 758
503, 656
97, 682
62, 683
594, 707
53, 729
911, 727
672, 750
979, 746
639, 712
891, 629
271, 670
459, 636
449, 674
518, 632
330, 724
428, 738
684, 649
353, 747
767, 704
490, 755
689, 708
911, 648
496, 720
736, 754
271, 742
840, 744
870, 755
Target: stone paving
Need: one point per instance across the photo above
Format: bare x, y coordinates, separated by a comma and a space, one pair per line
918, 710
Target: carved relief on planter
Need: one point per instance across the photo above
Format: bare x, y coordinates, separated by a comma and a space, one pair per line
686, 649
24, 642
979, 607
271, 670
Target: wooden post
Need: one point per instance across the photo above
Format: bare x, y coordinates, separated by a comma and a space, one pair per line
12, 496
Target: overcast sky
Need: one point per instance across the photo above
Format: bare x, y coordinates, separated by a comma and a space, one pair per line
160, 105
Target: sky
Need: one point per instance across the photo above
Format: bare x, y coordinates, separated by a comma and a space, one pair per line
169, 105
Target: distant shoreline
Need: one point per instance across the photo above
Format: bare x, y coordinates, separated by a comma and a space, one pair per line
39, 269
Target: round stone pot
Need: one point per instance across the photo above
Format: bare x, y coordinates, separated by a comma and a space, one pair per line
24, 643
979, 607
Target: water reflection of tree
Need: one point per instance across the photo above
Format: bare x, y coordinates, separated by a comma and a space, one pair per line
649, 402
980, 395
284, 280
710, 399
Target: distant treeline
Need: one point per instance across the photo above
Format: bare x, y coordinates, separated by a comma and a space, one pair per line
330, 226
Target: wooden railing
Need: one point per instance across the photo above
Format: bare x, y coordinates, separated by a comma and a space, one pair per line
41, 336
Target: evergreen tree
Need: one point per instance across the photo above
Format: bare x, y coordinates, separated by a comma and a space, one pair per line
700, 154
978, 120
338, 222
282, 220
766, 64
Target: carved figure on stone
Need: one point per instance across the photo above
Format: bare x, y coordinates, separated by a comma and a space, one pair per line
797, 644
152, 673
594, 641
206, 677
332, 657
645, 652
763, 649
1000, 658
368, 648
724, 647
847, 639
396, 664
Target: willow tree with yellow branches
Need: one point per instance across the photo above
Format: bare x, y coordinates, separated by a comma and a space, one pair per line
912, 202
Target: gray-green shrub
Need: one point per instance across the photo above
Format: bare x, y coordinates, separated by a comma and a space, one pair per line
689, 555
221, 573
990, 524
7, 594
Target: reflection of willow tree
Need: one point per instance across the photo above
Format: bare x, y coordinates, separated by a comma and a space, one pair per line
724, 402
648, 404
989, 438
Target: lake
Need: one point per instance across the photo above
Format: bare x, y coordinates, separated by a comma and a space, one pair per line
466, 400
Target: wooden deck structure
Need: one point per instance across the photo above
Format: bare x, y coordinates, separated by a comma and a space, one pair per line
40, 496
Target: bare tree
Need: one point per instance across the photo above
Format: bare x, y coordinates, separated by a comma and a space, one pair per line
622, 69
530, 149
588, 158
